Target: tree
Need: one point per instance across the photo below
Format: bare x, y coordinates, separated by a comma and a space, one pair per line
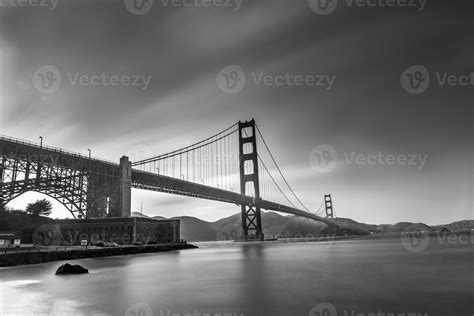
40, 207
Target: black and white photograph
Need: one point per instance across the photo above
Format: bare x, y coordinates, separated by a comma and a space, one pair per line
236, 158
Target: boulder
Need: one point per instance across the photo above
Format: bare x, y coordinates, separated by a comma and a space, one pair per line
71, 269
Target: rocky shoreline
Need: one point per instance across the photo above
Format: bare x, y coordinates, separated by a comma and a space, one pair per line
25, 258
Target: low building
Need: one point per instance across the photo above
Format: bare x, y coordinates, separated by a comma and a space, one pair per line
122, 230
9, 239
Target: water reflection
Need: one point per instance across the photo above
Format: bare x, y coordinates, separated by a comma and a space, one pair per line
253, 279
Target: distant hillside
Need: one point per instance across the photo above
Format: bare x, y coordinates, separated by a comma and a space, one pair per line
467, 225
278, 226
138, 214
355, 226
194, 229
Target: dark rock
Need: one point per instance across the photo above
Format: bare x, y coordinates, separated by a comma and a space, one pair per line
71, 269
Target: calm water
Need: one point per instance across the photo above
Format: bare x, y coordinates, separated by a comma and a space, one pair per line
254, 279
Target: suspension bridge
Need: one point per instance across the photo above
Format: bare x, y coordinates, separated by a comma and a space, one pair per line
234, 166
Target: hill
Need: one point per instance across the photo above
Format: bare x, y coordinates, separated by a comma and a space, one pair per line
194, 229
460, 226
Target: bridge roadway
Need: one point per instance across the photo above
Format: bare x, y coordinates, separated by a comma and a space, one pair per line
150, 181
26, 152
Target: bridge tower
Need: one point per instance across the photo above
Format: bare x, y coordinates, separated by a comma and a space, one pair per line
328, 205
251, 215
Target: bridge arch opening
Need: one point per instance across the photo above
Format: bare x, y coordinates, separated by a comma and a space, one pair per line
21, 201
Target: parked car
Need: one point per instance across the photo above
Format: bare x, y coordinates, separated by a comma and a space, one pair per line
101, 243
84, 242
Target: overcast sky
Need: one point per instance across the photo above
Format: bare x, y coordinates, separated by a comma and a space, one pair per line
182, 50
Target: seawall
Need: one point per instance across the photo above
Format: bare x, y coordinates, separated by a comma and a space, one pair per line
24, 258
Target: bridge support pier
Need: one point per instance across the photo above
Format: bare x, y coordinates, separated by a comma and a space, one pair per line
251, 215
125, 187
110, 196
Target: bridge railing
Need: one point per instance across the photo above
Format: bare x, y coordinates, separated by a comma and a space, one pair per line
53, 149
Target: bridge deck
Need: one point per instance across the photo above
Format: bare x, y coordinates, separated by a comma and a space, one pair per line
150, 181
22, 150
